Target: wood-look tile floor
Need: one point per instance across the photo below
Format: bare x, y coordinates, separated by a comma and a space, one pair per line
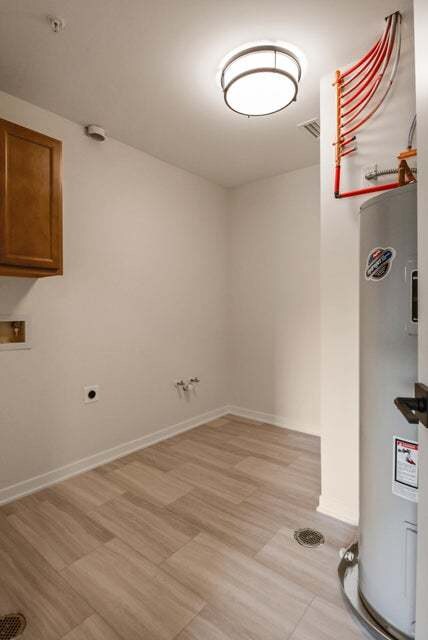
190, 539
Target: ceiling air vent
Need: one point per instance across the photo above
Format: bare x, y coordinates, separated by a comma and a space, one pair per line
312, 126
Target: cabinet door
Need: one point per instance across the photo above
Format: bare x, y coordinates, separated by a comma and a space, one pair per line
30, 202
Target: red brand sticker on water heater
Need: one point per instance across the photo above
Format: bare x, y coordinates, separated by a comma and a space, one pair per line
379, 263
405, 469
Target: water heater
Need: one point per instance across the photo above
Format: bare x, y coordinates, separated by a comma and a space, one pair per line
388, 443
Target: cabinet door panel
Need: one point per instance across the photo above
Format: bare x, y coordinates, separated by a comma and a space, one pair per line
30, 207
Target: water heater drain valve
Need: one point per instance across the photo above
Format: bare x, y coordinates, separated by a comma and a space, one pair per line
347, 555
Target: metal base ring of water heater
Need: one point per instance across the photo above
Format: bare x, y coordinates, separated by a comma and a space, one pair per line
348, 575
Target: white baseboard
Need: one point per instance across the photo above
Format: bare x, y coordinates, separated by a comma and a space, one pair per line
26, 487
20, 489
338, 510
270, 418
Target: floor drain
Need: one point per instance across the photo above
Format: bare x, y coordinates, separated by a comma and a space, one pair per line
309, 537
12, 625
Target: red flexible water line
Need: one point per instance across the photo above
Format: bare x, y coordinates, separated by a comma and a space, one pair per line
361, 122
369, 95
337, 181
347, 141
346, 153
375, 62
362, 192
373, 111
364, 67
377, 58
366, 80
360, 62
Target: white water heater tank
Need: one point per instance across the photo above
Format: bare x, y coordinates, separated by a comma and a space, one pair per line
388, 443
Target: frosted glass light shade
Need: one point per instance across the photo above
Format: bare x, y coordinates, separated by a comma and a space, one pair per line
261, 80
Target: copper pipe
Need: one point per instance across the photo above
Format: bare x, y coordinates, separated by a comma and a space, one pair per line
409, 153
338, 129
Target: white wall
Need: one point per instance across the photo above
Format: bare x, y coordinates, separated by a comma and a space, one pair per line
379, 142
274, 288
165, 276
142, 302
421, 39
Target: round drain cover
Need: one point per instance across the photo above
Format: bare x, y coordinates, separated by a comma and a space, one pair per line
309, 537
12, 625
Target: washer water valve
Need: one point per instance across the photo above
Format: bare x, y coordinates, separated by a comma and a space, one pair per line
57, 24
187, 385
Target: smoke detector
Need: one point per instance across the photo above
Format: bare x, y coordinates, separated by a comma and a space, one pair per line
96, 132
311, 126
57, 24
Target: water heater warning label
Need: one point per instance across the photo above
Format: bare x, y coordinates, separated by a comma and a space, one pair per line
405, 469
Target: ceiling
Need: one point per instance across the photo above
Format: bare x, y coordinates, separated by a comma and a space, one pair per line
146, 70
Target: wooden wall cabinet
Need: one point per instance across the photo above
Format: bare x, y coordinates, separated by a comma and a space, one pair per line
30, 203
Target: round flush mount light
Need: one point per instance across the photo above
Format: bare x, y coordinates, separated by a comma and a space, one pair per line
261, 80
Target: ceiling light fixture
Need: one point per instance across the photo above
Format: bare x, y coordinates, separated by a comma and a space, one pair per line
261, 80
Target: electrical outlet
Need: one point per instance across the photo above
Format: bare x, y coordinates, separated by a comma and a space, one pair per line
91, 393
